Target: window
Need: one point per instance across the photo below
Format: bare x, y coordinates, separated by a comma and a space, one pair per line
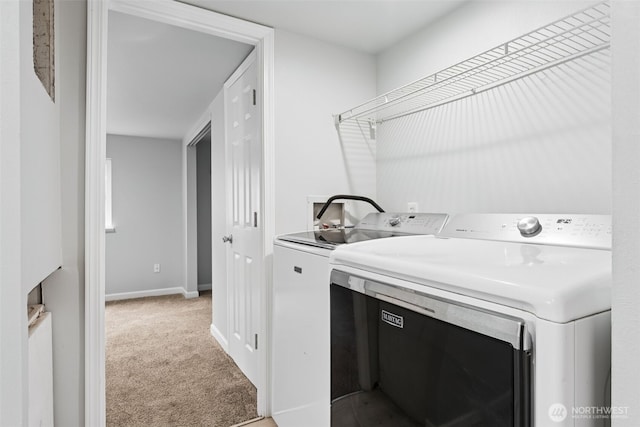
108, 214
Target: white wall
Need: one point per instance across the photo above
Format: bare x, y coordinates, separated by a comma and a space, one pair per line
13, 324
30, 196
313, 81
625, 318
63, 291
40, 165
147, 215
467, 31
540, 144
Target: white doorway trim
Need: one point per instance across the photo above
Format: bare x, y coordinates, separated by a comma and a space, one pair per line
190, 204
190, 17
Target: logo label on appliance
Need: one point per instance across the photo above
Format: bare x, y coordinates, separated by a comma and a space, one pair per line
392, 319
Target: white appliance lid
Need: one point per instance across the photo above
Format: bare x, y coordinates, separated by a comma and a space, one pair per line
555, 283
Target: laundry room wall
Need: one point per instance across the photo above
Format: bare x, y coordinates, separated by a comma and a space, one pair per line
313, 81
63, 291
539, 144
625, 298
147, 216
39, 166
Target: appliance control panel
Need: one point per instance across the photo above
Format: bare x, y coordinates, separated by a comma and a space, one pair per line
405, 223
588, 231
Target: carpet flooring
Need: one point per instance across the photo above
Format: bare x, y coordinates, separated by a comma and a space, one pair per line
163, 367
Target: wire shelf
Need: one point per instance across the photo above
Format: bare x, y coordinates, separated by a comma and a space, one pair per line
567, 39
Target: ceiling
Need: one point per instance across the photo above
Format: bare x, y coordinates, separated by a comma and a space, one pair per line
161, 78
366, 25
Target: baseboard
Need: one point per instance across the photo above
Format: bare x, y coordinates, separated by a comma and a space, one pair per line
205, 287
149, 293
215, 332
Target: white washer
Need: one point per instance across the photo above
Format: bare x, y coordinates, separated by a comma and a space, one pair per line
535, 289
300, 369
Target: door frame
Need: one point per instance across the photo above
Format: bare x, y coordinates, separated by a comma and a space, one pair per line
194, 18
190, 205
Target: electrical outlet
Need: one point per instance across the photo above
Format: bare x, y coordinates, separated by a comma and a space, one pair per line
156, 268
412, 207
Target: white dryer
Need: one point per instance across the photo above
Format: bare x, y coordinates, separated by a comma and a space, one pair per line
501, 320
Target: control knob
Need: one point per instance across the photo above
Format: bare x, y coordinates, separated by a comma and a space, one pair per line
394, 220
529, 226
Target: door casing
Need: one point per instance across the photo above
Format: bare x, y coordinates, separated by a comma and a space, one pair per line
193, 18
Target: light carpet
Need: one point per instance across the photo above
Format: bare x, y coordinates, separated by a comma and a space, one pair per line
163, 367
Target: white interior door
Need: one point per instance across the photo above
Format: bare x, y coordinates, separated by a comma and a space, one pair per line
245, 274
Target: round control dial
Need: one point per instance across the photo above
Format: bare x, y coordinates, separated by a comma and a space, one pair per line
529, 226
394, 220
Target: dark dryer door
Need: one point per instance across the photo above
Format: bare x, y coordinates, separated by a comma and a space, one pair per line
400, 358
